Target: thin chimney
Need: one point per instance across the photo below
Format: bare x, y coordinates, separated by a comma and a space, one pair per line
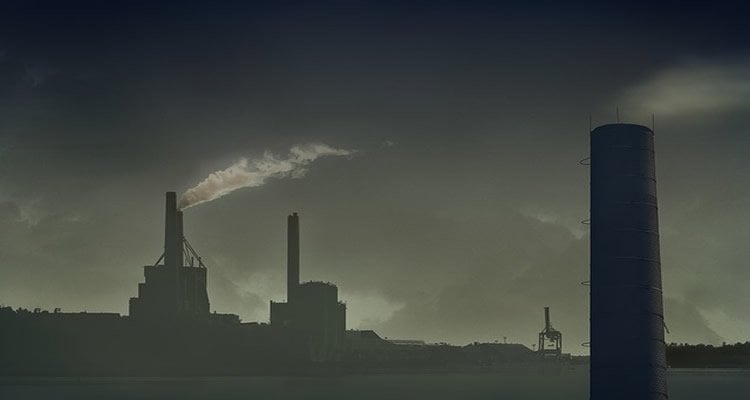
292, 266
172, 243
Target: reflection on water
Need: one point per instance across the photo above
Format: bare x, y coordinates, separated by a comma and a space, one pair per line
571, 384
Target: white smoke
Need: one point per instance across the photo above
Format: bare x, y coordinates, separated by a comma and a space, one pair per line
253, 172
697, 87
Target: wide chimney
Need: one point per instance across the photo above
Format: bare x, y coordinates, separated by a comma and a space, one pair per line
172, 233
292, 256
627, 319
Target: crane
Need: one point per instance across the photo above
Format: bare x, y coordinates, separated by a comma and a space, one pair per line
550, 339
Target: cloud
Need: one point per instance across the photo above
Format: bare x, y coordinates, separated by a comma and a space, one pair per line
387, 143
697, 87
577, 228
686, 324
368, 309
255, 172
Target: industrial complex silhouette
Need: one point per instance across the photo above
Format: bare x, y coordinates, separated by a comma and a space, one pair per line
177, 289
171, 329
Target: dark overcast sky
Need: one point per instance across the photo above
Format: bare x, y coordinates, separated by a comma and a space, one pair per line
458, 217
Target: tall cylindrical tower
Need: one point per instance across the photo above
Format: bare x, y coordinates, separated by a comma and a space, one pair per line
627, 323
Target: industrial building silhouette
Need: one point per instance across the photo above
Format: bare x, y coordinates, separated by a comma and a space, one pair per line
312, 307
177, 287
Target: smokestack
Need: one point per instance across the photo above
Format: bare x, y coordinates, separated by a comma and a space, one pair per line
627, 320
292, 256
172, 243
546, 318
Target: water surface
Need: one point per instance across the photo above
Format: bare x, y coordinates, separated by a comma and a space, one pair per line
568, 385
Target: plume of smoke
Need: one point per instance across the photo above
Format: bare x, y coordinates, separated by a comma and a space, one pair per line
697, 87
253, 172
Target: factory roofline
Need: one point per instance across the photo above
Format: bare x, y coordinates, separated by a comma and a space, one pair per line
317, 283
611, 127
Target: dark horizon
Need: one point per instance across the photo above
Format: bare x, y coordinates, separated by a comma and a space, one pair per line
447, 203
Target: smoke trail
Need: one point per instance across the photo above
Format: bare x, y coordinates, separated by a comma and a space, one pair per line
697, 87
254, 172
